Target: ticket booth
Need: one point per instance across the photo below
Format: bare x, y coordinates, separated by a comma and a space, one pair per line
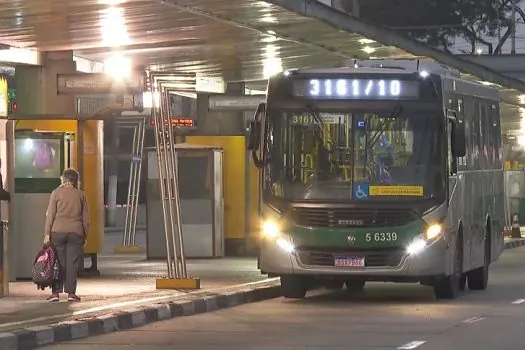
38, 160
202, 203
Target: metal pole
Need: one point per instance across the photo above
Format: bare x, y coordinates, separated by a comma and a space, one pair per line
179, 220
158, 119
177, 235
80, 152
142, 131
164, 98
133, 181
513, 35
127, 225
113, 175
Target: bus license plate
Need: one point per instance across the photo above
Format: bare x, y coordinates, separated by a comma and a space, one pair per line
350, 261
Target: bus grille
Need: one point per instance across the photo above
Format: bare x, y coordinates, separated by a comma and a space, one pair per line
387, 258
346, 217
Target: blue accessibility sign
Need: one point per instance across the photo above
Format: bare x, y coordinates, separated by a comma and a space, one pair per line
361, 191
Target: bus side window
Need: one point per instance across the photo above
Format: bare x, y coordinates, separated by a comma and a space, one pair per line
452, 161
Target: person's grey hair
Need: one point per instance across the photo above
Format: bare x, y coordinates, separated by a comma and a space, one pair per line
70, 175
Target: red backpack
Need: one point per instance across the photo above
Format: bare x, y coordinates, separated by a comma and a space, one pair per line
46, 269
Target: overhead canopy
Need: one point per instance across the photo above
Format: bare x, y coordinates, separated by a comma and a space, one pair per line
240, 40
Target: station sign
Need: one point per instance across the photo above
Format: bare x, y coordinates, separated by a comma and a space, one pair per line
98, 83
235, 103
210, 84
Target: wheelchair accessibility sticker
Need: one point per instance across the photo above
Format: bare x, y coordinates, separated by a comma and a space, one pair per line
361, 191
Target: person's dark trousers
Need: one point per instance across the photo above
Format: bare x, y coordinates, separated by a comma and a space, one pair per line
70, 249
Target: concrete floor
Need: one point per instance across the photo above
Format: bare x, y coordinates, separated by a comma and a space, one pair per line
125, 280
386, 316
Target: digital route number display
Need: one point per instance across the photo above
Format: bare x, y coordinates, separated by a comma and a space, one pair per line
358, 89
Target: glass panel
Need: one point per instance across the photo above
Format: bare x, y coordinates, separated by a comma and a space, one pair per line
38, 158
195, 176
402, 151
322, 156
310, 156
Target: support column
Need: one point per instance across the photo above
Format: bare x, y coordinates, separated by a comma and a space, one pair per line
220, 123
227, 130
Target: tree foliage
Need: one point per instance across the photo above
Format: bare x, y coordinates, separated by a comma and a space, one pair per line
439, 22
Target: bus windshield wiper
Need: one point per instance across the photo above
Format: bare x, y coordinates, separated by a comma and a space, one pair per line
382, 128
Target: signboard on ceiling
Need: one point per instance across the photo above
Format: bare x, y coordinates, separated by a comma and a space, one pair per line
234, 103
98, 83
4, 103
210, 84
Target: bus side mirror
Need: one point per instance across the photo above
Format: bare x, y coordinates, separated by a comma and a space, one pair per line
459, 144
254, 136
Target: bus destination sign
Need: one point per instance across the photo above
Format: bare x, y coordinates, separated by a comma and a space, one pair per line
358, 89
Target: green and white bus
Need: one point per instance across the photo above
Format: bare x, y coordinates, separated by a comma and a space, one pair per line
388, 170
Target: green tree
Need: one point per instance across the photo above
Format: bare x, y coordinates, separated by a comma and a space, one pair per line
439, 22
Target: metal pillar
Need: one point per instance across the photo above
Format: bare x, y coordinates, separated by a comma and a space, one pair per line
135, 172
513, 35
169, 186
113, 174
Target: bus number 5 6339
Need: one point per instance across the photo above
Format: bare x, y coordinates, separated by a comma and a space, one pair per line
381, 237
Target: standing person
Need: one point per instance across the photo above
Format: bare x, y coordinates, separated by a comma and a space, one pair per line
67, 226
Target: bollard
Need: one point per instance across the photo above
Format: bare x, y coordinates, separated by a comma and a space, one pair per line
516, 230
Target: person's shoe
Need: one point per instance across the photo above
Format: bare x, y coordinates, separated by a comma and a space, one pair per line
73, 298
53, 298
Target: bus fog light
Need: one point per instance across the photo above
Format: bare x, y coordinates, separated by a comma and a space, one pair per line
285, 245
416, 246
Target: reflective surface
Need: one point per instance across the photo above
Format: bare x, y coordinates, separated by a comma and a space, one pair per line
235, 37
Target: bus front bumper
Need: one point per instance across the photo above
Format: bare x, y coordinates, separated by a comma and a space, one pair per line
430, 261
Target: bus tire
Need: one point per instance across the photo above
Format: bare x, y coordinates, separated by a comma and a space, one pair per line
293, 287
478, 279
448, 287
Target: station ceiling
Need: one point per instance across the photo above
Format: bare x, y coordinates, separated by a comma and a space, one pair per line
240, 40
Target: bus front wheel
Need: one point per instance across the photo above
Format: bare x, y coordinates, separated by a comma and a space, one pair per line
448, 287
478, 279
294, 287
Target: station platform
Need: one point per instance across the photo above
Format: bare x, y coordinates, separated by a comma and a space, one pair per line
126, 281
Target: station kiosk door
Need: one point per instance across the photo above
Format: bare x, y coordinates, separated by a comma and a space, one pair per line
38, 160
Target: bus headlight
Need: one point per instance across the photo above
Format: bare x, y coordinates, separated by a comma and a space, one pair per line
285, 243
416, 246
270, 229
433, 231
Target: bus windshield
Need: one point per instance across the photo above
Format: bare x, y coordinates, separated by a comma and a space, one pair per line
341, 156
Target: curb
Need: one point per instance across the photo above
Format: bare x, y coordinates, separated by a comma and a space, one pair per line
31, 338
514, 243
